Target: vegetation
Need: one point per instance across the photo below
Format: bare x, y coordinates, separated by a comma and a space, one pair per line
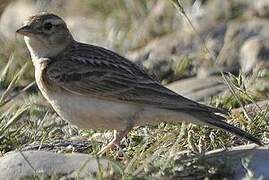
174, 151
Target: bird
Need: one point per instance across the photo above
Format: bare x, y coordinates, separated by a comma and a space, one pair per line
95, 88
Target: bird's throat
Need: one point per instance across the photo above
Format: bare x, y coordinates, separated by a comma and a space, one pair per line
41, 49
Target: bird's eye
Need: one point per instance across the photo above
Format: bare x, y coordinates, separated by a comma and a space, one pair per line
47, 26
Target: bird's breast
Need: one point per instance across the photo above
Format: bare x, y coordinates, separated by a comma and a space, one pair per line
86, 112
92, 113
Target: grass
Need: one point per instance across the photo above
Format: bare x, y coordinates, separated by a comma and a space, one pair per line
174, 151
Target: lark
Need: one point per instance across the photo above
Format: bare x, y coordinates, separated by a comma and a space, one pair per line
95, 88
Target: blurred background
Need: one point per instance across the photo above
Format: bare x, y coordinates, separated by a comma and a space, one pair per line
231, 36
216, 53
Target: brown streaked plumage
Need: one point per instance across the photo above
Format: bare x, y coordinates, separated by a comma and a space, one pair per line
93, 87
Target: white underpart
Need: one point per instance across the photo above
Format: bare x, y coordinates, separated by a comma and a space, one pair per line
93, 113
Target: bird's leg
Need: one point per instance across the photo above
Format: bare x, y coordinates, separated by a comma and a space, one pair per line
116, 140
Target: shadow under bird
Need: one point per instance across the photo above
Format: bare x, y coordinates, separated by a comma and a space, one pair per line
93, 88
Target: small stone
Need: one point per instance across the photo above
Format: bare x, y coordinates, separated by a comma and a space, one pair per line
243, 160
198, 89
236, 35
249, 53
18, 165
261, 8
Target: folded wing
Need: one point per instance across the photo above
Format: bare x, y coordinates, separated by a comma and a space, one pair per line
101, 73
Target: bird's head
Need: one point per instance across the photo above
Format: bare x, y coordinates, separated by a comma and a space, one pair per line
46, 35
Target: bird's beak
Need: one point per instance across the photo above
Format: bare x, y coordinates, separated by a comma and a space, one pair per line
25, 30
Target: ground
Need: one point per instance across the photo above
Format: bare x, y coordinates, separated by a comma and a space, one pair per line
213, 39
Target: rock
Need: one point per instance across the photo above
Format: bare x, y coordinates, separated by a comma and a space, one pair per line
253, 108
198, 89
261, 8
244, 161
18, 165
156, 56
249, 53
236, 34
255, 50
161, 55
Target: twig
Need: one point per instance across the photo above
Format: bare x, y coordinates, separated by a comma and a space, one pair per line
18, 93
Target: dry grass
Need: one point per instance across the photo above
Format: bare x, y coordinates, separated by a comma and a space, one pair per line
174, 151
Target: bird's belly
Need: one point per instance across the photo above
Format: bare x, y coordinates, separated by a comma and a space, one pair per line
92, 113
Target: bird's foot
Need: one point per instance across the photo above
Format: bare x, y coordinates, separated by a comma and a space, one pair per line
116, 141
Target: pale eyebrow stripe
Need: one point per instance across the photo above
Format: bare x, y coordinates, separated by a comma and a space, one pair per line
55, 21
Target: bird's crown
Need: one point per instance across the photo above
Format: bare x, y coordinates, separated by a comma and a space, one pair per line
45, 23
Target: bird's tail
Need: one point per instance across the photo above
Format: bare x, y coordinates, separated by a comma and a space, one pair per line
211, 118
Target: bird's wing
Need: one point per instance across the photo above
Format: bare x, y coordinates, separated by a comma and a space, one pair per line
94, 71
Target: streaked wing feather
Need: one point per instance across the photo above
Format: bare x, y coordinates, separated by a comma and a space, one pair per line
94, 71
